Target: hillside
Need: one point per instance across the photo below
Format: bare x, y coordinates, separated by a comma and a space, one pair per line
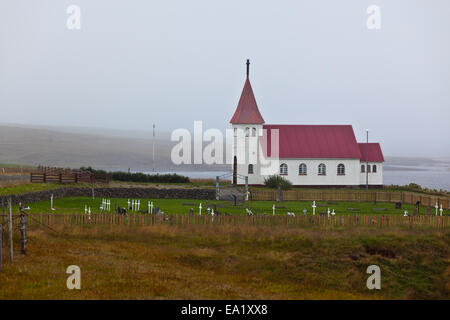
108, 149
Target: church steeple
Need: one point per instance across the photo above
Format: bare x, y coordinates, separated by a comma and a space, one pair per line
247, 111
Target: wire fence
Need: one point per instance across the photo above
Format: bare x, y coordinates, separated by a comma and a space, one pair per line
137, 219
349, 195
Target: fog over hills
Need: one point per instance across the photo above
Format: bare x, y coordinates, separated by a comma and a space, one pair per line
75, 147
115, 149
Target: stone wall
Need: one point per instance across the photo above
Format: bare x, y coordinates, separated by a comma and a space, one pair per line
135, 193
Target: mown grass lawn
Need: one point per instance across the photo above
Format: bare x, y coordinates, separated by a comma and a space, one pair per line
182, 206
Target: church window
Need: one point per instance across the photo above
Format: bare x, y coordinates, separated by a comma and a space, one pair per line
247, 131
253, 132
340, 169
374, 168
302, 169
235, 132
283, 169
363, 168
250, 169
322, 169
368, 168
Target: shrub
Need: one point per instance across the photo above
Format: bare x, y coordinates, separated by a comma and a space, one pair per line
275, 181
413, 185
139, 176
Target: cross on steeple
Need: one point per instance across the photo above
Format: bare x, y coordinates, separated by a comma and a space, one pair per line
248, 67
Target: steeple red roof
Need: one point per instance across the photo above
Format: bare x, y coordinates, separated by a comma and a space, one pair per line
247, 111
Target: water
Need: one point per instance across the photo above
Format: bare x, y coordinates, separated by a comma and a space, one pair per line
430, 177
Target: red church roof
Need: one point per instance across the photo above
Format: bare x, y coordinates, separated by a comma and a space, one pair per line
247, 111
313, 141
375, 153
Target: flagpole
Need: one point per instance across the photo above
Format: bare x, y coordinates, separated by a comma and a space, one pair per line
153, 162
367, 159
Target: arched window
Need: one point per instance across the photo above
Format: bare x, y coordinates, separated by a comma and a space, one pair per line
253, 132
250, 169
283, 169
322, 169
341, 169
368, 168
302, 169
374, 168
247, 131
363, 168
235, 132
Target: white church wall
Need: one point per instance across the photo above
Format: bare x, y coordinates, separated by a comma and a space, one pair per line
375, 178
246, 150
351, 176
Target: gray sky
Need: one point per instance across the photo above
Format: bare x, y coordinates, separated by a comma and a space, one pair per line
173, 62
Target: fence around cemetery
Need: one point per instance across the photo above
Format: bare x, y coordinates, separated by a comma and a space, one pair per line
62, 175
351, 195
137, 219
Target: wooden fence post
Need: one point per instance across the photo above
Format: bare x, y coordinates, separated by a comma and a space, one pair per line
2, 222
1, 247
23, 231
11, 251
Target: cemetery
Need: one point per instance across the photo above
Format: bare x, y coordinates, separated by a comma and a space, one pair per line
74, 205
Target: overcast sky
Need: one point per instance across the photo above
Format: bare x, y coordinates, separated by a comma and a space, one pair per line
173, 62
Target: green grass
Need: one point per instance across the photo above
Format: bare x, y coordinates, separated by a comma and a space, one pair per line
21, 188
32, 187
15, 165
182, 206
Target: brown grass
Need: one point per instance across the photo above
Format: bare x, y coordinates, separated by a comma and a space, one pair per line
229, 262
12, 183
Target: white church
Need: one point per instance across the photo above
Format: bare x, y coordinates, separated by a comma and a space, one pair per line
307, 155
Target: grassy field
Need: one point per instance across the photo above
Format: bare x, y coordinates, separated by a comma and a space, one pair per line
224, 262
182, 206
22, 188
